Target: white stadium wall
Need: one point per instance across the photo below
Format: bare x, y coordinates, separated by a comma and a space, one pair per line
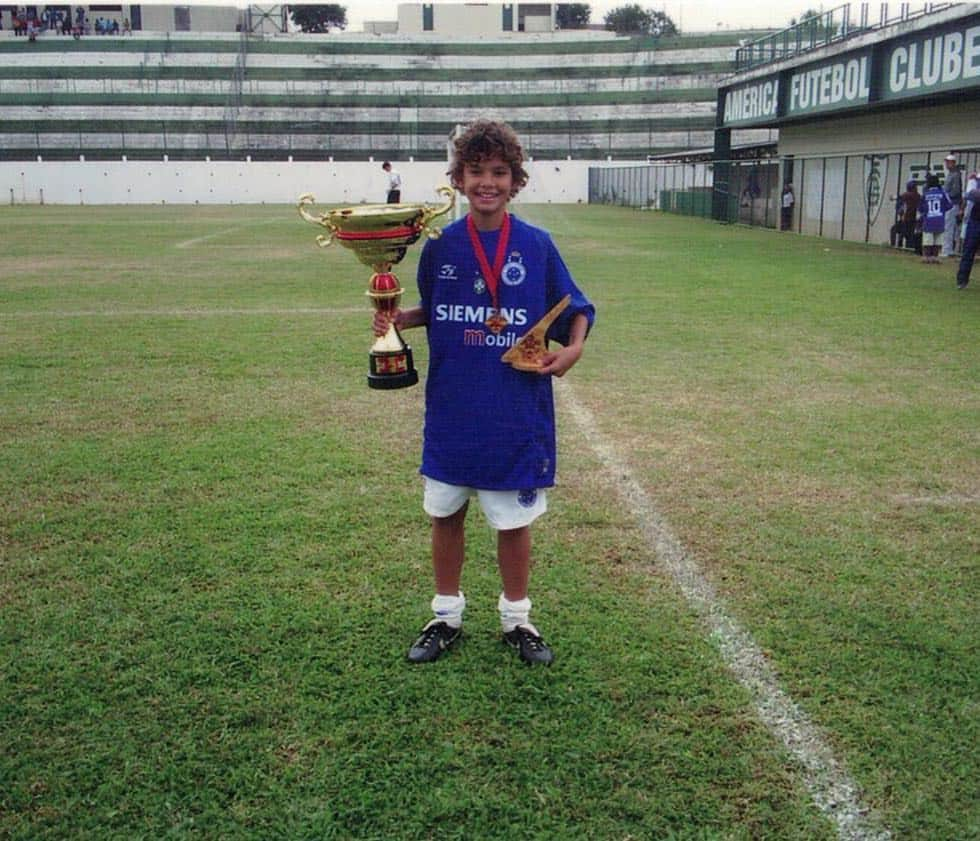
257, 182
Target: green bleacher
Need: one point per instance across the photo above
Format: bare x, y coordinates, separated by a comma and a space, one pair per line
316, 97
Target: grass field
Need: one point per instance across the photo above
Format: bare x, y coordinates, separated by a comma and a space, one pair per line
213, 557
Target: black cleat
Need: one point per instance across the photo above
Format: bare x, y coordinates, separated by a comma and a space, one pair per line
526, 640
436, 637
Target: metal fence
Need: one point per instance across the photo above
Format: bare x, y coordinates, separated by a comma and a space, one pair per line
848, 197
828, 27
748, 191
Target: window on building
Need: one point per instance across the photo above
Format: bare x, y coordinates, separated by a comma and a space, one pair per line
534, 17
427, 18
182, 18
508, 17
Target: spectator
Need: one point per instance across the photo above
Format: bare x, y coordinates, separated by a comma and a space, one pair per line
972, 236
788, 200
903, 231
394, 184
933, 208
972, 182
954, 189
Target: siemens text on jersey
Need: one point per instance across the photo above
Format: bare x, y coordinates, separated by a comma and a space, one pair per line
478, 315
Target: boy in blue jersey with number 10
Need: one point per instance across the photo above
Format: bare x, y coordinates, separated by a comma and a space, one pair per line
489, 428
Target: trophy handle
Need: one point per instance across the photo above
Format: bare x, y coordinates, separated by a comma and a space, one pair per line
322, 240
431, 213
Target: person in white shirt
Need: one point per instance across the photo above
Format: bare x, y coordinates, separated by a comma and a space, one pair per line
954, 189
394, 184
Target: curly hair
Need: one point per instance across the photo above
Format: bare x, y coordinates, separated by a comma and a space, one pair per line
485, 139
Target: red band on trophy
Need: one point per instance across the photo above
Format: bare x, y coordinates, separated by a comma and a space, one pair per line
385, 234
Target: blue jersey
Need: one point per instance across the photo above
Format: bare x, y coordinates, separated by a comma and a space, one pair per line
488, 425
933, 207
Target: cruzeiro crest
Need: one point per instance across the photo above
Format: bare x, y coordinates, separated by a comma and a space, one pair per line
513, 272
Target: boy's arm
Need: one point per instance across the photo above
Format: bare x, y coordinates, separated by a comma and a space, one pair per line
559, 362
412, 317
404, 319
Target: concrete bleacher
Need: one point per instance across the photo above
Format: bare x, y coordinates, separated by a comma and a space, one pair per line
349, 98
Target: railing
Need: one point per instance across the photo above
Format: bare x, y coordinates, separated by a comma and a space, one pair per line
826, 28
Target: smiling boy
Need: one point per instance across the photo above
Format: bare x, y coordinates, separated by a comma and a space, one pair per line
489, 428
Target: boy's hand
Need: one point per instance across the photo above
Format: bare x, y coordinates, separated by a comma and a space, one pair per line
381, 321
560, 361
402, 319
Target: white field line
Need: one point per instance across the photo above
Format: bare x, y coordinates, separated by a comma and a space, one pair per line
186, 313
948, 500
831, 787
190, 243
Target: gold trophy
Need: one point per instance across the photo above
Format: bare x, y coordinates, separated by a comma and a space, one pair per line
379, 236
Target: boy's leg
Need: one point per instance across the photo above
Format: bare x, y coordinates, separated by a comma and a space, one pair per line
448, 553
514, 560
449, 550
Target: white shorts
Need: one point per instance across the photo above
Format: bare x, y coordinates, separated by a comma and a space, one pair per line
504, 510
930, 239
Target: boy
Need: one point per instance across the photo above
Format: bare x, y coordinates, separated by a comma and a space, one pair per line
489, 428
933, 208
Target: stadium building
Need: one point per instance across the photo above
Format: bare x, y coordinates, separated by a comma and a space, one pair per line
861, 102
862, 115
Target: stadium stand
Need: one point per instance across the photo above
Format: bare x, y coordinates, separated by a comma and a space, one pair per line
349, 97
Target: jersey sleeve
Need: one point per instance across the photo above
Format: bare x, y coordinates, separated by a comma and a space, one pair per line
560, 284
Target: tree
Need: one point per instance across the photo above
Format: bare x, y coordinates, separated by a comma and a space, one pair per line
809, 13
635, 20
319, 18
661, 25
573, 15
818, 24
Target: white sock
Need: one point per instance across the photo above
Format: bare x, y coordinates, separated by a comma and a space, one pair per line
449, 609
513, 614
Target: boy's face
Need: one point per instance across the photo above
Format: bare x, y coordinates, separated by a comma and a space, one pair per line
487, 185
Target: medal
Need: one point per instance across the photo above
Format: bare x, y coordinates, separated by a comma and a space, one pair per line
495, 322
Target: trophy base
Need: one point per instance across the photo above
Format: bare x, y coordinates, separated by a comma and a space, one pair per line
392, 369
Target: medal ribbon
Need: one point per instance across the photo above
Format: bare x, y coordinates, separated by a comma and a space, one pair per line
491, 276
